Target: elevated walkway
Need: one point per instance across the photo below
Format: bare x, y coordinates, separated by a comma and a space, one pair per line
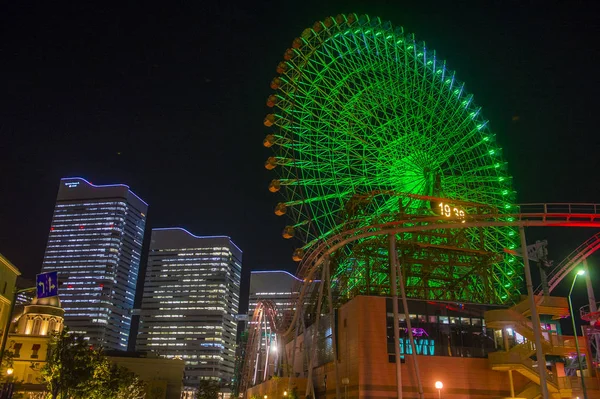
518, 357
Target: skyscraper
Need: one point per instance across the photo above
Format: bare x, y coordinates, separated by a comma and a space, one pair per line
190, 303
95, 244
273, 285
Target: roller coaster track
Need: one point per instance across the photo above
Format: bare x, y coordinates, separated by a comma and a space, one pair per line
528, 215
575, 258
265, 312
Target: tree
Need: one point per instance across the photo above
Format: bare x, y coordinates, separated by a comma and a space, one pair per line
7, 362
70, 366
208, 389
74, 370
111, 381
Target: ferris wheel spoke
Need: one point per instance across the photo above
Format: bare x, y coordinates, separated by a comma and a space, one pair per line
361, 107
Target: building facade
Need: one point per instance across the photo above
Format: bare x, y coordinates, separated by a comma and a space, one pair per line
28, 340
8, 279
162, 377
190, 302
475, 351
95, 244
276, 286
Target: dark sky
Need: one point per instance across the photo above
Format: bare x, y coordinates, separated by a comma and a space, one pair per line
179, 92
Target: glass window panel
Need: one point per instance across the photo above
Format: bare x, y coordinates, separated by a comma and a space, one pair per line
444, 320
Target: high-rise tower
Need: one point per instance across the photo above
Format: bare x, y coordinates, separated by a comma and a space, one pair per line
95, 244
190, 303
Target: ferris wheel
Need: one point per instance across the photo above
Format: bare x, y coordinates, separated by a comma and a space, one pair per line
360, 107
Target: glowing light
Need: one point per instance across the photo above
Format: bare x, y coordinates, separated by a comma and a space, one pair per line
581, 272
439, 385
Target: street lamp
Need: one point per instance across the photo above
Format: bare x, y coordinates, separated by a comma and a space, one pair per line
284, 393
439, 386
7, 389
579, 273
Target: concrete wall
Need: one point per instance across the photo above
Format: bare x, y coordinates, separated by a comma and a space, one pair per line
276, 387
156, 373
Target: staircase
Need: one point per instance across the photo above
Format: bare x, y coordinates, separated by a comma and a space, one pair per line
518, 357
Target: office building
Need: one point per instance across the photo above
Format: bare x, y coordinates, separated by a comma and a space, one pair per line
95, 244
190, 303
276, 286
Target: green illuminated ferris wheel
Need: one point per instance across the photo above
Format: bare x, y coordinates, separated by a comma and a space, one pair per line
359, 107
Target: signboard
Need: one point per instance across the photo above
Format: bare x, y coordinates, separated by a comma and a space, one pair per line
47, 284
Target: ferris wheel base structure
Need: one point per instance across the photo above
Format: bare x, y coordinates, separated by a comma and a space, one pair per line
560, 215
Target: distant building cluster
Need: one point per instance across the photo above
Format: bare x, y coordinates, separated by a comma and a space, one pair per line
191, 291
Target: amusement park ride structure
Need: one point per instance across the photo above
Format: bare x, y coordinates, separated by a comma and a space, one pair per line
318, 264
391, 179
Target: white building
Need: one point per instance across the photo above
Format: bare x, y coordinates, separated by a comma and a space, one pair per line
190, 302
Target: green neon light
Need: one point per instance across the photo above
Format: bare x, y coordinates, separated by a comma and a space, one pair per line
373, 110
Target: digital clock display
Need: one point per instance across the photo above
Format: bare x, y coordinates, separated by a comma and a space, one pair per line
450, 211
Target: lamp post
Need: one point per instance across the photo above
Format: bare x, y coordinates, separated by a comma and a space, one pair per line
439, 386
7, 390
579, 273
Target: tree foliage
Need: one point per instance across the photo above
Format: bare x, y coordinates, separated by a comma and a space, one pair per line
75, 370
7, 362
208, 389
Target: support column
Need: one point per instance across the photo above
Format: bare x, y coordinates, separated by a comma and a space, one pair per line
593, 308
333, 328
310, 387
394, 292
291, 367
510, 376
590, 288
535, 319
409, 327
267, 348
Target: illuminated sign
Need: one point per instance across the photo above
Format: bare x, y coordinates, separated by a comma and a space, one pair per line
72, 184
417, 332
450, 211
423, 346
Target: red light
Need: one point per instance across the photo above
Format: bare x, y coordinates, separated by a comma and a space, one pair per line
102, 286
52, 229
70, 286
81, 227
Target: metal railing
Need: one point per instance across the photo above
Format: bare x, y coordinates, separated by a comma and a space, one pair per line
561, 208
586, 313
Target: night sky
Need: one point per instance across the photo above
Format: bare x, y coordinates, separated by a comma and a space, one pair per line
170, 100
